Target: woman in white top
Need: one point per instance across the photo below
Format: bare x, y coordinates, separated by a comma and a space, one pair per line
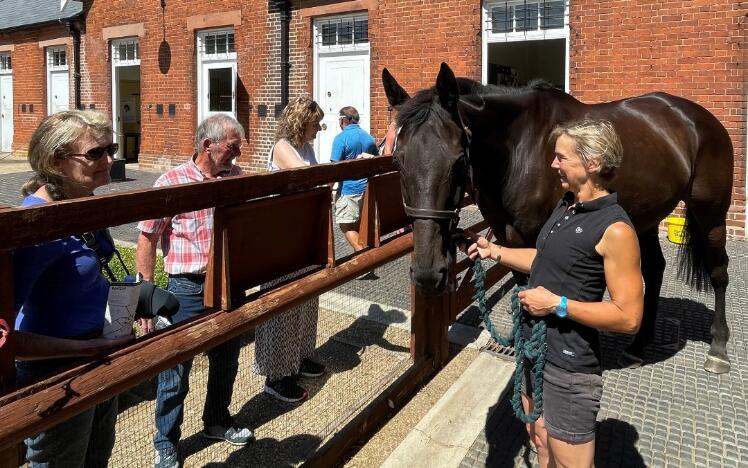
283, 345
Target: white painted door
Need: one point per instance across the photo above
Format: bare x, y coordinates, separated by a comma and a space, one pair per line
343, 80
59, 91
218, 88
6, 112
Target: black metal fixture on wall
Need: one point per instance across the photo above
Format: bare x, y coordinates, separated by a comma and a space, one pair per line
164, 49
285, 23
75, 33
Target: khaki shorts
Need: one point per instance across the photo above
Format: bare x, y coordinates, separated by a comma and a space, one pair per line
348, 208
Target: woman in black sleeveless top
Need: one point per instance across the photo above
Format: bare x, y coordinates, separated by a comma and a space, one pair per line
587, 244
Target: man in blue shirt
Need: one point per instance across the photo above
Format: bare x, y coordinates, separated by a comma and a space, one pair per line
352, 143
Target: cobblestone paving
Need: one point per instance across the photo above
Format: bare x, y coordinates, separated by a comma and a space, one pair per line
669, 412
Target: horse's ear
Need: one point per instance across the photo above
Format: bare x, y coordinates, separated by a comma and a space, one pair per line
447, 89
396, 95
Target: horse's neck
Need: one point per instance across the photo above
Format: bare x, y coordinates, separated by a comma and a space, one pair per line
516, 182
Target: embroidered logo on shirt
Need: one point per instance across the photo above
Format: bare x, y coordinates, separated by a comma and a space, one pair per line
568, 353
578, 230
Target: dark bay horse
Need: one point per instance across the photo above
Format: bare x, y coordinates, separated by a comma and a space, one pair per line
461, 133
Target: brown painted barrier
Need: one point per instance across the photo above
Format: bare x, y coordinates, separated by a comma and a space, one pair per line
239, 242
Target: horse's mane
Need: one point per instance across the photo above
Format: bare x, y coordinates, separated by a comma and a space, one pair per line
419, 108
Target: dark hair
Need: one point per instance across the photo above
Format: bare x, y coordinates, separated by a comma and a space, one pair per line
349, 113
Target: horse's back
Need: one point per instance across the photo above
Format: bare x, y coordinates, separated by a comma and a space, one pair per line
671, 146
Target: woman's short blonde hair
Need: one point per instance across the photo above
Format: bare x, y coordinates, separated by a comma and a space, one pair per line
595, 140
295, 117
54, 139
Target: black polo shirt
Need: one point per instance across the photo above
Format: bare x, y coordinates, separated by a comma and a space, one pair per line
567, 264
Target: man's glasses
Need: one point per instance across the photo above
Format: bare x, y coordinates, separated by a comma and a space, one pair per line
94, 154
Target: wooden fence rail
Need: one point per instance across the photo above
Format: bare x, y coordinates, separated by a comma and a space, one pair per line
32, 409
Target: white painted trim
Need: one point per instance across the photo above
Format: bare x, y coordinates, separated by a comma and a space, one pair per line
12, 129
213, 59
8, 71
496, 38
51, 69
353, 49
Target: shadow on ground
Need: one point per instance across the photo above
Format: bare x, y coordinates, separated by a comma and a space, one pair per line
678, 321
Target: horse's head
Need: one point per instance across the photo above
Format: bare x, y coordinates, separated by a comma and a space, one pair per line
432, 155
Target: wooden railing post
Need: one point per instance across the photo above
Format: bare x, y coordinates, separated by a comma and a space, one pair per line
8, 456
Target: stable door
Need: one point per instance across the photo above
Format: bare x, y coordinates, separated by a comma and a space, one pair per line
59, 91
6, 112
343, 80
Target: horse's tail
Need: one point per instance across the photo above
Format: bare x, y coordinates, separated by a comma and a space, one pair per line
692, 267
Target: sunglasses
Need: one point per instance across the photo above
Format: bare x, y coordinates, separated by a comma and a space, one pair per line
94, 154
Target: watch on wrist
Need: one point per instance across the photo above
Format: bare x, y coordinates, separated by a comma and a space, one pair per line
561, 310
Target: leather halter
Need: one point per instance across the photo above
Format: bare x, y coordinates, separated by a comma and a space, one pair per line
453, 216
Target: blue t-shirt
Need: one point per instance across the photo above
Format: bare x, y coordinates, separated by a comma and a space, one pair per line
58, 287
348, 144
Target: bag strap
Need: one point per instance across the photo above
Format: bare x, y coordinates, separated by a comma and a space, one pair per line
89, 238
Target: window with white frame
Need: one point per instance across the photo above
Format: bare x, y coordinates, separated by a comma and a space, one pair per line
216, 78
342, 32
126, 52
57, 58
526, 18
5, 63
217, 44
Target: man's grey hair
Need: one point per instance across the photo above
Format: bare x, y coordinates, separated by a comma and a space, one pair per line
215, 128
350, 114
595, 139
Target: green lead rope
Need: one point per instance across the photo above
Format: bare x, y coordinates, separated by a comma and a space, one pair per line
531, 350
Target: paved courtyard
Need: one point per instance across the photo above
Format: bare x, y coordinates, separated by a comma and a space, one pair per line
668, 413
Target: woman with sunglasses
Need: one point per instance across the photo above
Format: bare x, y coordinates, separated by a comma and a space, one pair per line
284, 344
60, 294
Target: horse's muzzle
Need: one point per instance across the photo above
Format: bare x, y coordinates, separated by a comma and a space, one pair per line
430, 282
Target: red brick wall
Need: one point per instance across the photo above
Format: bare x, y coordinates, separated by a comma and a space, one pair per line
412, 37
693, 49
30, 79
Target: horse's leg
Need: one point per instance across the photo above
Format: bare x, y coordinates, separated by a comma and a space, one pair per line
653, 268
714, 233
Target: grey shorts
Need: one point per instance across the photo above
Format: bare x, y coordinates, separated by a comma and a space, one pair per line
571, 401
348, 208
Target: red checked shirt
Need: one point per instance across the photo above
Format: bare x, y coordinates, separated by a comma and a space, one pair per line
186, 237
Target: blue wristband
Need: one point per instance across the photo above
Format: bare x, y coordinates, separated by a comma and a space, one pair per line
561, 310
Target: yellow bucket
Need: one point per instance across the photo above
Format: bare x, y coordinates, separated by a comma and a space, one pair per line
676, 230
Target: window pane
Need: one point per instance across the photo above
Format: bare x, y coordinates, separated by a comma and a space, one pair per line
526, 16
361, 31
345, 32
210, 45
221, 44
329, 33
220, 90
232, 48
501, 19
552, 15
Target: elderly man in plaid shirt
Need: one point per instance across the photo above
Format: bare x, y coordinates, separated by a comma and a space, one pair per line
185, 241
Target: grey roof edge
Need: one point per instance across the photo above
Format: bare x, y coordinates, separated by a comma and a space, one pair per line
27, 13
